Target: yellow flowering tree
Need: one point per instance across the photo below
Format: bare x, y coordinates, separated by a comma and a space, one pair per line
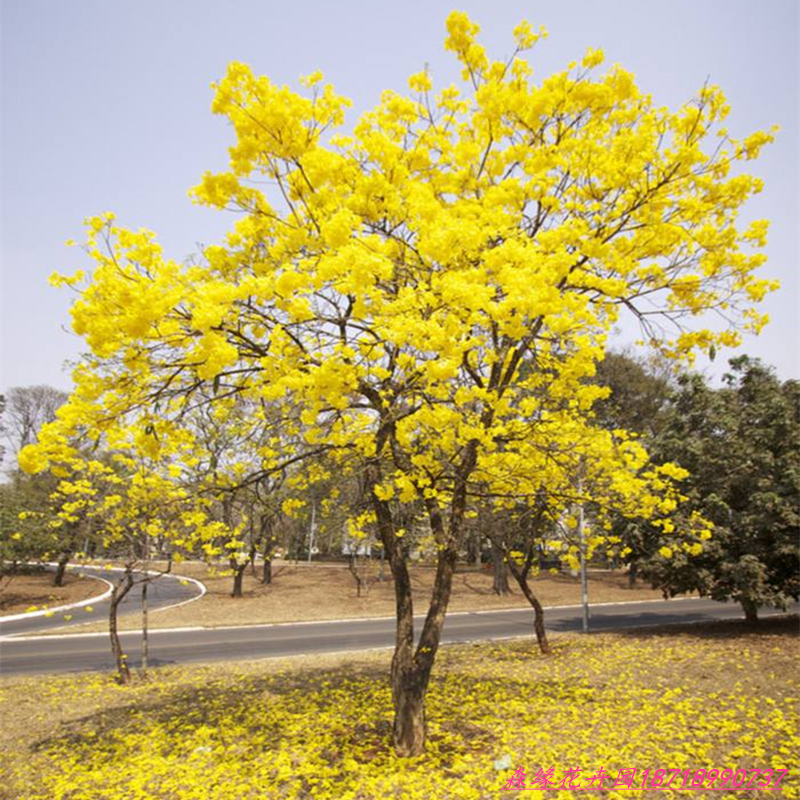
583, 471
430, 290
130, 497
150, 516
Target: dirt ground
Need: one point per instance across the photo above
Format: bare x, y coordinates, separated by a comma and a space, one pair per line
300, 592
20, 593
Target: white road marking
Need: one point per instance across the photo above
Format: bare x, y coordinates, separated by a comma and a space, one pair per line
44, 612
97, 599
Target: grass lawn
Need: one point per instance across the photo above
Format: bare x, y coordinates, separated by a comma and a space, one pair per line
720, 695
299, 592
20, 593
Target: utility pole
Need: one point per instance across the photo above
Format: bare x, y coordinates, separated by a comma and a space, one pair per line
582, 540
145, 582
313, 527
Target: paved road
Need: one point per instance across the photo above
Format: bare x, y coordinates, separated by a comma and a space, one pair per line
166, 590
71, 653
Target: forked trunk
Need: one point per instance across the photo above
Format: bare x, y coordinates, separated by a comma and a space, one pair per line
408, 737
411, 668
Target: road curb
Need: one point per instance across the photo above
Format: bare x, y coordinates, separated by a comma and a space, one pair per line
100, 597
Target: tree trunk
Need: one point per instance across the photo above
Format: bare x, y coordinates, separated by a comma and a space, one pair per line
266, 572
750, 611
252, 559
61, 569
499, 571
238, 577
408, 736
473, 555
521, 576
411, 674
351, 565
408, 693
633, 572
117, 595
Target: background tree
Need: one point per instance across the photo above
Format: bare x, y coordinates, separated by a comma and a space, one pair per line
3, 427
741, 445
640, 392
263, 509
25, 410
606, 474
147, 515
490, 522
23, 537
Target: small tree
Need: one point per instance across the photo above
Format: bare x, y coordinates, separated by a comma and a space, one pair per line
25, 534
606, 473
132, 498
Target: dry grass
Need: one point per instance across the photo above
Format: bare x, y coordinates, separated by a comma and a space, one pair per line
19, 593
700, 696
318, 592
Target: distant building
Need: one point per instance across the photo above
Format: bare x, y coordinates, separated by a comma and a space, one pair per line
357, 547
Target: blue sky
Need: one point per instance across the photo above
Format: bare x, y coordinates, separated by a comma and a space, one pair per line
106, 106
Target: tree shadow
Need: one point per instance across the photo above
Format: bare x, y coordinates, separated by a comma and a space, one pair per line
778, 625
483, 591
180, 711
